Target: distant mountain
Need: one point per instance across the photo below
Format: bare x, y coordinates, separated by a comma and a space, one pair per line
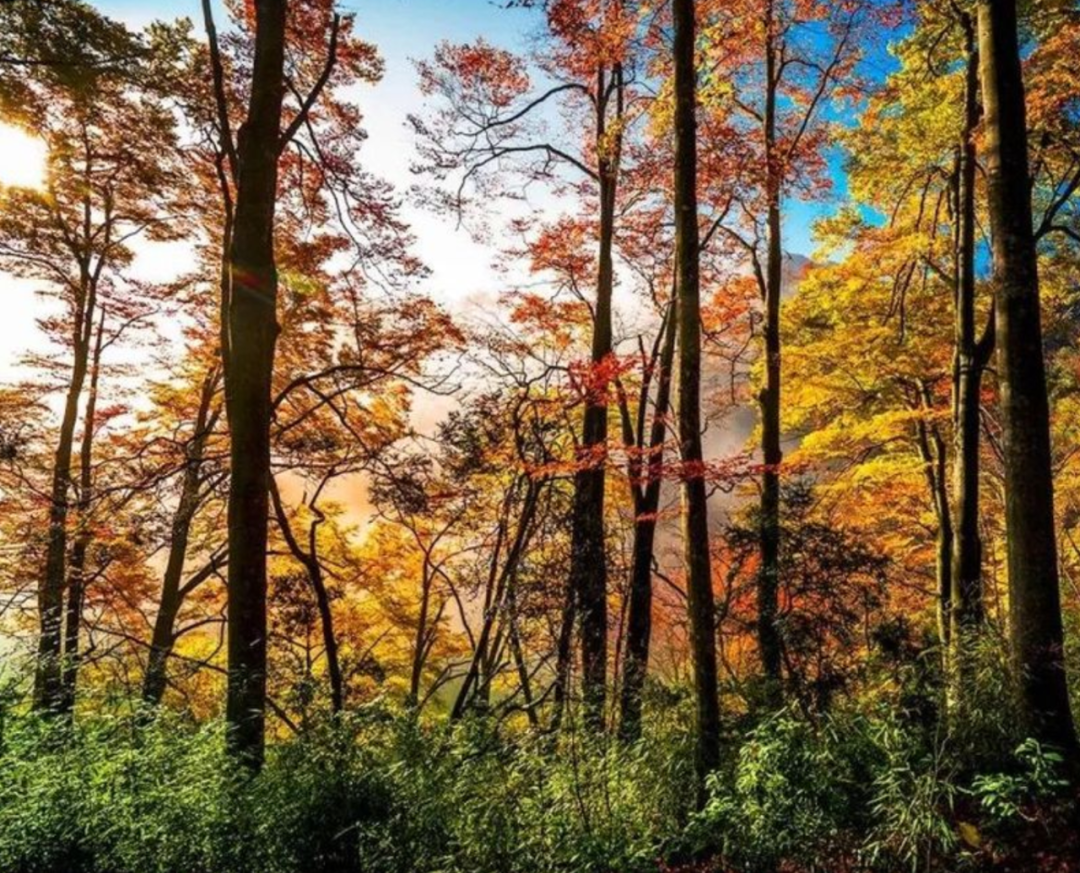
795, 267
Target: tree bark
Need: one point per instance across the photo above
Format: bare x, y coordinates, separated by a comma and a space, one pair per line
972, 356
518, 653
48, 678
646, 506
421, 637
253, 333
76, 587
695, 507
769, 640
1037, 635
501, 588
588, 557
309, 560
564, 655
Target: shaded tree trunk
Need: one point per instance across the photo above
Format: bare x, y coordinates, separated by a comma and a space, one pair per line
330, 642
695, 507
769, 640
252, 338
76, 587
1034, 598
518, 653
501, 592
588, 557
972, 357
309, 560
163, 637
420, 642
564, 656
646, 507
48, 678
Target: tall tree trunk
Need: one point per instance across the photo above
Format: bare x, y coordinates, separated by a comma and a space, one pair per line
48, 678
164, 634
639, 619
639, 611
972, 356
253, 333
588, 557
772, 454
1034, 598
76, 586
695, 507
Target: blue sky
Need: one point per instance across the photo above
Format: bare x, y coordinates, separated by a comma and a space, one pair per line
463, 275
407, 29
403, 30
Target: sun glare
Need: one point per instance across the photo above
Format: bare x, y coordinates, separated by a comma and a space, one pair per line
22, 158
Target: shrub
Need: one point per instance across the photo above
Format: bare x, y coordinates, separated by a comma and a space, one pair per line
795, 792
379, 791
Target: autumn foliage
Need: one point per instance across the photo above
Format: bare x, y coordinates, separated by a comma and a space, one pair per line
734, 524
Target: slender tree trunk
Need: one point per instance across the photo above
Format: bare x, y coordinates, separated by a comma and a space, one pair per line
772, 455
326, 621
932, 454
695, 507
225, 164
500, 589
1034, 598
492, 662
163, 637
309, 560
639, 612
638, 624
161, 645
420, 641
472, 675
77, 565
588, 557
48, 679
492, 599
253, 333
972, 356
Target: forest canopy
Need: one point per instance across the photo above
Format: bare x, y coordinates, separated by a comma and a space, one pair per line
539, 435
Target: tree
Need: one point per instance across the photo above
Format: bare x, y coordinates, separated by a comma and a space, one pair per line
646, 477
871, 408
1035, 620
973, 353
299, 141
197, 478
491, 118
252, 334
340, 424
695, 506
777, 67
917, 149
112, 170
833, 595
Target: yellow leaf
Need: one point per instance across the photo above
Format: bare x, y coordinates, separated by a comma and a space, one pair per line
970, 834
